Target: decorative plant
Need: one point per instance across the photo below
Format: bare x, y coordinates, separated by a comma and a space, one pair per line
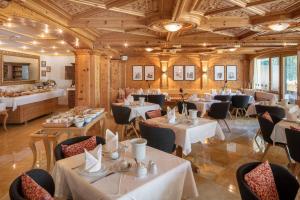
225, 86
182, 94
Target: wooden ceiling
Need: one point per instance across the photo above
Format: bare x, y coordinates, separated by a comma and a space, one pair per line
213, 26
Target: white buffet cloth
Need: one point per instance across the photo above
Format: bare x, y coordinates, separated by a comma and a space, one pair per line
288, 108
204, 105
278, 134
174, 180
186, 133
140, 111
14, 102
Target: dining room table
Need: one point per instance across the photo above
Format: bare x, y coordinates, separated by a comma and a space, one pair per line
203, 105
173, 180
278, 133
188, 132
139, 110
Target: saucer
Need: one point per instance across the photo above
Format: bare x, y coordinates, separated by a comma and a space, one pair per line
83, 172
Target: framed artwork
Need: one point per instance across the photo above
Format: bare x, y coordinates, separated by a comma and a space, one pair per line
48, 69
137, 73
178, 73
43, 73
219, 72
43, 63
231, 72
189, 72
149, 73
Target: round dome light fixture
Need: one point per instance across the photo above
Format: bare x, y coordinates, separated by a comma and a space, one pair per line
279, 26
173, 26
149, 49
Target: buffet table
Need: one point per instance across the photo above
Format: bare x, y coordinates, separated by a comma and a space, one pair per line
27, 107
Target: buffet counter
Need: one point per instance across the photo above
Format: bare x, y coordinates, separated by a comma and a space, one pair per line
24, 108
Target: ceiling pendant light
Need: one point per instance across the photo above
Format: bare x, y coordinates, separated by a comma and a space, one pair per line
279, 26
149, 49
173, 26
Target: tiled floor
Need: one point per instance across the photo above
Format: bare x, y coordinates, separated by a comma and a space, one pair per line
217, 160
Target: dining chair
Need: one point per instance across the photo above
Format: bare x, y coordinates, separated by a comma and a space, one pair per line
219, 111
155, 113
293, 141
157, 99
121, 116
286, 184
58, 153
239, 104
274, 111
222, 97
266, 128
189, 106
40, 176
159, 138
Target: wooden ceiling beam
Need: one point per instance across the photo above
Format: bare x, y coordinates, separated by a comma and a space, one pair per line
118, 3
110, 23
88, 13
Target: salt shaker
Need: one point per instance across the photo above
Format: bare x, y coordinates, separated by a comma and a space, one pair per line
141, 170
152, 167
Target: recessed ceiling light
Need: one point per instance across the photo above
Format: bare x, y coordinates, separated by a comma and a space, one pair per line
9, 19
68, 51
60, 31
42, 35
237, 46
24, 47
204, 44
9, 25
46, 30
62, 42
149, 49
56, 53
42, 51
125, 44
34, 42
1, 42
220, 51
173, 26
53, 47
76, 42
279, 26
232, 49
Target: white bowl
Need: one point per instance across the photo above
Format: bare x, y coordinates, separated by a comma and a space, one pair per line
79, 124
88, 119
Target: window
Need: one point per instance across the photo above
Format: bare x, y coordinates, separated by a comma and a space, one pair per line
290, 77
275, 69
261, 74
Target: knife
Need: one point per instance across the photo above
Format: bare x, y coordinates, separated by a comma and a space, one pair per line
94, 181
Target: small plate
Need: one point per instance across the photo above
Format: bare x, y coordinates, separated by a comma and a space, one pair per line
101, 172
119, 169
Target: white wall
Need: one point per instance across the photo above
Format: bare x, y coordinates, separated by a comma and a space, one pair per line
57, 64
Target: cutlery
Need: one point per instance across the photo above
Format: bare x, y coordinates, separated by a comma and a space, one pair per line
94, 181
76, 166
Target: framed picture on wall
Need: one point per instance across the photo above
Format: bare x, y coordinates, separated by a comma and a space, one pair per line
219, 71
43, 63
231, 72
189, 72
43, 73
137, 72
48, 69
149, 73
178, 73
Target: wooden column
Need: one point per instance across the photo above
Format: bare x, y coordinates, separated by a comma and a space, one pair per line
87, 75
105, 80
117, 78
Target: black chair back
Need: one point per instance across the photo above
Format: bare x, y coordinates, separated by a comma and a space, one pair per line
41, 177
159, 138
286, 184
293, 141
266, 128
219, 110
136, 97
189, 106
240, 101
272, 110
121, 114
157, 99
222, 97
58, 153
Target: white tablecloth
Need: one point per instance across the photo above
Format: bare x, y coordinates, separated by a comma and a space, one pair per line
14, 102
288, 108
2, 106
140, 111
174, 180
278, 134
203, 106
186, 133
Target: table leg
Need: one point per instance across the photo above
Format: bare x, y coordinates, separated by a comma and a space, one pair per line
180, 154
34, 152
48, 151
4, 121
103, 126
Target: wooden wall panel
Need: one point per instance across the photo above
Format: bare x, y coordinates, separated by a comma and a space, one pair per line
105, 86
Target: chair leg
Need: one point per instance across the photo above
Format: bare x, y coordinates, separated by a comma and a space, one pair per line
227, 126
135, 131
287, 153
256, 135
230, 116
236, 112
266, 151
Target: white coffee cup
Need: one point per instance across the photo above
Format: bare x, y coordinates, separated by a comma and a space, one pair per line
193, 113
139, 148
142, 101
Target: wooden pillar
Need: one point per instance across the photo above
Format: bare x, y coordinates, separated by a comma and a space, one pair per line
246, 71
87, 74
105, 80
117, 78
164, 60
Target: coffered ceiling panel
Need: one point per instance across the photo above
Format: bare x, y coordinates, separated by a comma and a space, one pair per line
71, 8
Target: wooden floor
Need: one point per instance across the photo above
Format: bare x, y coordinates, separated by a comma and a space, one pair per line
217, 160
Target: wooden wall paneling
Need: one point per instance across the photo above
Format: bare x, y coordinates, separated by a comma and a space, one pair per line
95, 79
105, 82
116, 78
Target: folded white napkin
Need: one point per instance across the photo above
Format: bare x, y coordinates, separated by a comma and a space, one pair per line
126, 102
171, 115
93, 164
140, 91
194, 97
228, 91
208, 97
111, 141
130, 99
292, 116
213, 91
238, 92
158, 91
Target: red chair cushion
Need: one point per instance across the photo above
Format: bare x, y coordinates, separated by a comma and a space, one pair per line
33, 191
78, 148
267, 116
154, 113
261, 182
